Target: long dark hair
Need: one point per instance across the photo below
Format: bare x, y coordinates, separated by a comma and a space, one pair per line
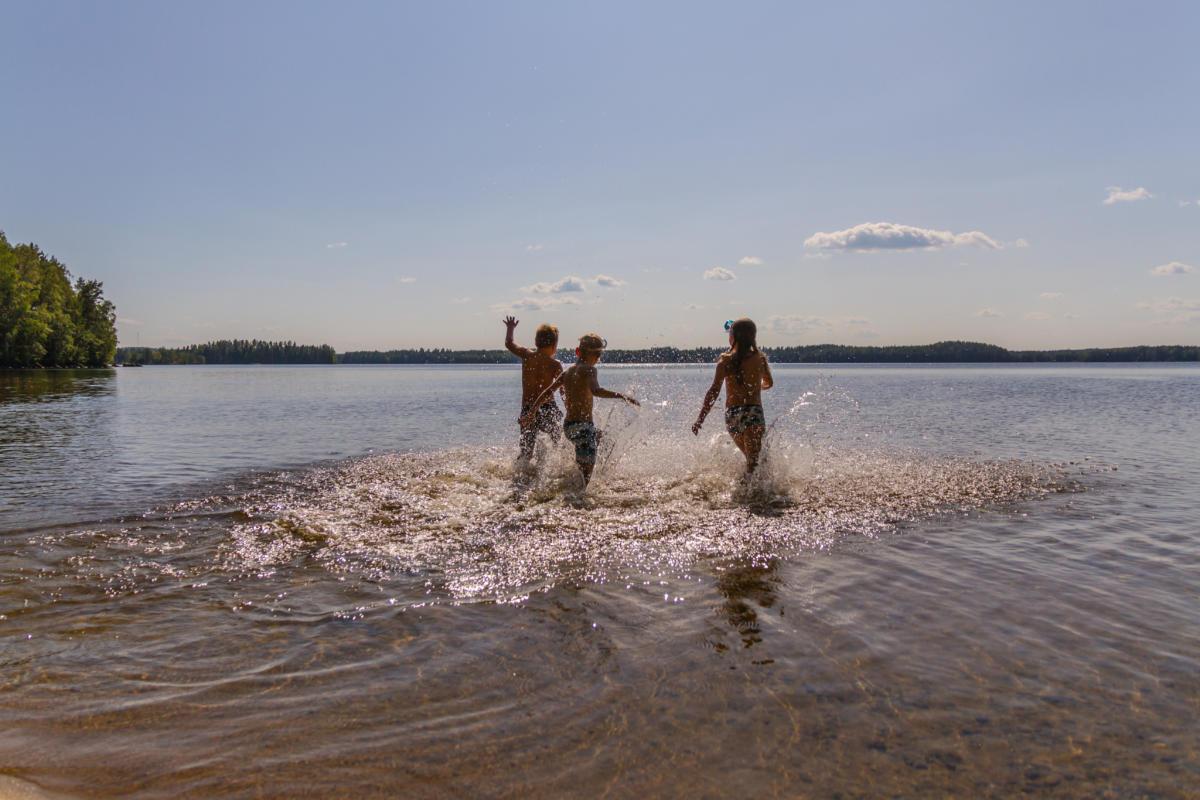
744, 332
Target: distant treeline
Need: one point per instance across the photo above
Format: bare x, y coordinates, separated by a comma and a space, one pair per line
45, 319
256, 352
431, 356
230, 351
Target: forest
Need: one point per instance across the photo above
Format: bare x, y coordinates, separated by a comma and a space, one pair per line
46, 320
242, 351
230, 351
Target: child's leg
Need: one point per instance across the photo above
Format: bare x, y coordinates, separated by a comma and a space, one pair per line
752, 446
528, 440
586, 469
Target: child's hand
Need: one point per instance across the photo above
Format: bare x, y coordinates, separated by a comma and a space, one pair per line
511, 322
696, 427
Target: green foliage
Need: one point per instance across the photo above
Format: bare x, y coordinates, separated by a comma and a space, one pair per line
45, 321
231, 351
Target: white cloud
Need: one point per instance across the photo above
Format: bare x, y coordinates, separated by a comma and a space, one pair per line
1118, 195
1037, 316
536, 303
1051, 295
796, 324
988, 313
568, 284
336, 245
719, 274
750, 261
608, 282
874, 236
534, 248
1184, 203
406, 279
1021, 243
1173, 268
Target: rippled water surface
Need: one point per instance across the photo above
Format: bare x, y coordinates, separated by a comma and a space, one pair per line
334, 581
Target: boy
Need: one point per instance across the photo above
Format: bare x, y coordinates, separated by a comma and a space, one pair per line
580, 384
539, 369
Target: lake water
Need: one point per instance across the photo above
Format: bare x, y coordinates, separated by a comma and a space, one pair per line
334, 581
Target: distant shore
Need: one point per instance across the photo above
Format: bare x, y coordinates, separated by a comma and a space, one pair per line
954, 352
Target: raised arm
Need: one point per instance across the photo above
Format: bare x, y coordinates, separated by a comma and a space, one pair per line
710, 397
543, 398
514, 348
599, 392
767, 380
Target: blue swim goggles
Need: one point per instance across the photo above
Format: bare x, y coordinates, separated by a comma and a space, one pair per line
728, 324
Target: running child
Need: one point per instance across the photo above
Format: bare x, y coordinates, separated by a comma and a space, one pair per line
745, 373
539, 369
580, 384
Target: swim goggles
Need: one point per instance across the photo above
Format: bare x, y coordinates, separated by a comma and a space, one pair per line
728, 324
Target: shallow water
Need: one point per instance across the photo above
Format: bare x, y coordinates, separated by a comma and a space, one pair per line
278, 581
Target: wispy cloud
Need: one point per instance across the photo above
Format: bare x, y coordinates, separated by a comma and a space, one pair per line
719, 274
1172, 310
1173, 268
406, 279
1021, 243
1169, 305
988, 313
608, 281
750, 261
537, 303
797, 324
534, 248
336, 245
1118, 195
875, 236
1050, 296
1037, 316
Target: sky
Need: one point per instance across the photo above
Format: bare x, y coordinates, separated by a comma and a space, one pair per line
389, 175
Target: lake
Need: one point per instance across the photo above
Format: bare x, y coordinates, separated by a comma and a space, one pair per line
334, 581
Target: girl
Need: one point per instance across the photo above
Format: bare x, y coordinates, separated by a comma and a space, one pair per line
745, 372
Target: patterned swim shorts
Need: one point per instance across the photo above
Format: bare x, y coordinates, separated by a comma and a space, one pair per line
586, 437
738, 419
544, 421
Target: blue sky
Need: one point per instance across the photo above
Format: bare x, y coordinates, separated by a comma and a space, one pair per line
377, 175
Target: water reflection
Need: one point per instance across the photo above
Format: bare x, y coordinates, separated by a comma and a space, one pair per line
43, 385
747, 587
56, 436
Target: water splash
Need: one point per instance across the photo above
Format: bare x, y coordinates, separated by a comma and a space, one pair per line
472, 523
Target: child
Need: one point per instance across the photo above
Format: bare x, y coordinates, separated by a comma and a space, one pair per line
539, 369
745, 373
580, 385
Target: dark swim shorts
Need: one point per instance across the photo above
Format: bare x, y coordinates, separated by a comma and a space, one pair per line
586, 438
739, 419
544, 421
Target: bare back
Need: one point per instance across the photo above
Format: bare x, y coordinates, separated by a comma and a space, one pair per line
744, 387
538, 371
578, 382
